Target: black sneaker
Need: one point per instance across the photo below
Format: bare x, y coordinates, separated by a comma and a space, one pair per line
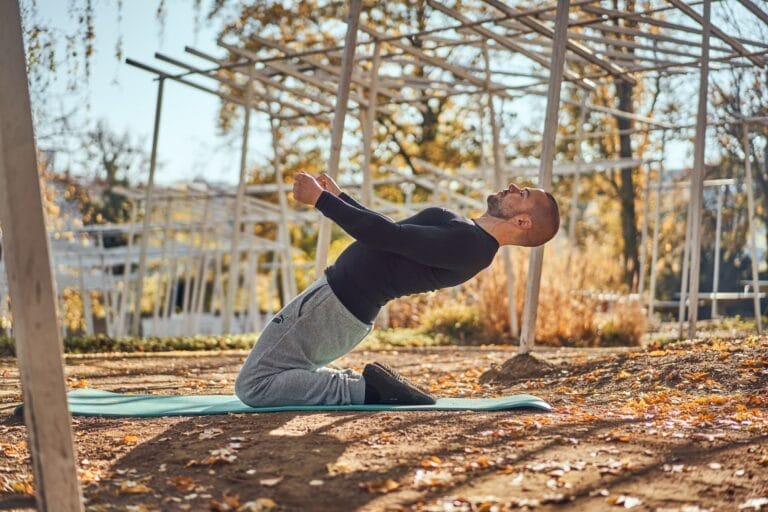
383, 385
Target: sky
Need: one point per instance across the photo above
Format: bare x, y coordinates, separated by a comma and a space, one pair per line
189, 142
125, 96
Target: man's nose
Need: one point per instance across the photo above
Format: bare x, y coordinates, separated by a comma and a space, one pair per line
512, 187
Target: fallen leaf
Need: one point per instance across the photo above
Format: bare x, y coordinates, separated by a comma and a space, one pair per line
433, 461
338, 468
380, 486
131, 487
210, 433
271, 482
259, 505
754, 503
130, 439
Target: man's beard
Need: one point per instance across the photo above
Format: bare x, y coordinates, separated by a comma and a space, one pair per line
494, 206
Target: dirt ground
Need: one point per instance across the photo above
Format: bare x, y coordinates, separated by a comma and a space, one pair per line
682, 428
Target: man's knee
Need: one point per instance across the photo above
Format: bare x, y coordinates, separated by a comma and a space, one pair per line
249, 388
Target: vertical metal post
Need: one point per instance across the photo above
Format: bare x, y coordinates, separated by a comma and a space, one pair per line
498, 183
697, 184
337, 133
716, 272
752, 227
528, 334
30, 282
136, 319
368, 119
234, 252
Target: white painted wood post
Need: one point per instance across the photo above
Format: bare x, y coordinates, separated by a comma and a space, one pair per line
368, 119
574, 216
337, 132
105, 287
30, 282
498, 184
644, 235
162, 270
682, 306
752, 227
200, 268
234, 252
655, 248
528, 334
136, 318
85, 293
123, 295
697, 186
288, 273
716, 272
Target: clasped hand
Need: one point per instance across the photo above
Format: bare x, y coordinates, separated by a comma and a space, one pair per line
307, 188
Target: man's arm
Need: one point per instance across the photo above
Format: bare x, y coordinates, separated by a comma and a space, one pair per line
438, 246
330, 185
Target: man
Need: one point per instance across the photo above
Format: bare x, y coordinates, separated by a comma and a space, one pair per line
433, 249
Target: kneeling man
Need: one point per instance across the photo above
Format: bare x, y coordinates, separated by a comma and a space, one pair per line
433, 249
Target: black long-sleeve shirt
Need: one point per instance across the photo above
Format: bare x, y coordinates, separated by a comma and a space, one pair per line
433, 249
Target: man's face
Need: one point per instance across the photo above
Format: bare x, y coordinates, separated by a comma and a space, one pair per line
514, 200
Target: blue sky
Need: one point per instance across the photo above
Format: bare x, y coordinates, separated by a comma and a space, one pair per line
190, 144
125, 96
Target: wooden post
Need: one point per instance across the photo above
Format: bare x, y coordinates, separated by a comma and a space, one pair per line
368, 119
528, 334
136, 319
498, 183
337, 133
752, 227
716, 272
697, 184
234, 252
30, 282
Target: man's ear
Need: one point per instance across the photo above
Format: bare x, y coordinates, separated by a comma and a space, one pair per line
522, 221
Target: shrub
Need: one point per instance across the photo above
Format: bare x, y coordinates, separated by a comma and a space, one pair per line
399, 338
458, 322
101, 343
571, 311
624, 325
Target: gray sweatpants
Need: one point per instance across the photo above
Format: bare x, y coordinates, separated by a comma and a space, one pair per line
287, 364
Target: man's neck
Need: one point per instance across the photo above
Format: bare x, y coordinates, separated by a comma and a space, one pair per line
491, 225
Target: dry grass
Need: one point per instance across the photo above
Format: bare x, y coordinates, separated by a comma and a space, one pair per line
571, 312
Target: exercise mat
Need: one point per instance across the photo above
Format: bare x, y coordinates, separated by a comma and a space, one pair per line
95, 402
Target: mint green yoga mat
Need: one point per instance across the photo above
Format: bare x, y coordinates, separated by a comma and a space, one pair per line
95, 402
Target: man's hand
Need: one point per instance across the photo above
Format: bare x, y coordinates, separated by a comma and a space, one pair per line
306, 189
328, 184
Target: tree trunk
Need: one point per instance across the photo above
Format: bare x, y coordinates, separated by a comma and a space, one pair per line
627, 190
